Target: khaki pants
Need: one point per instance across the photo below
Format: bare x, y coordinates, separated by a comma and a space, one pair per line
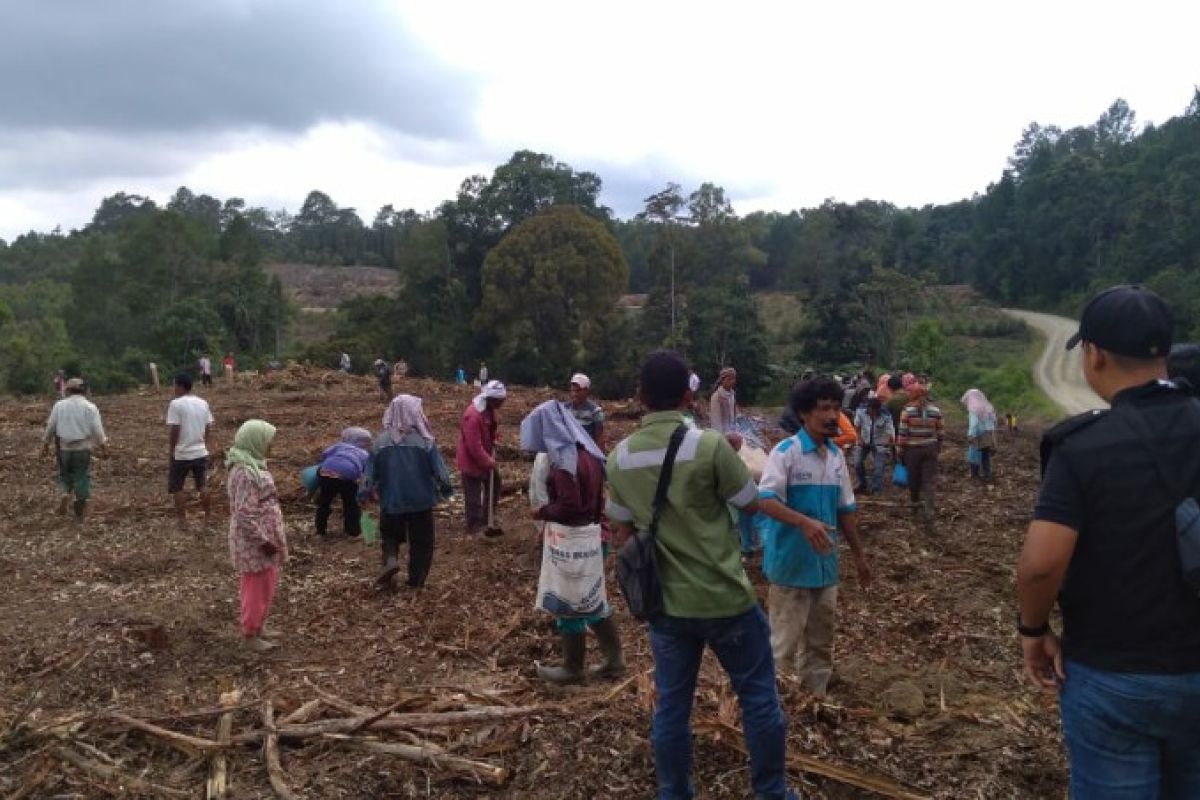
802, 624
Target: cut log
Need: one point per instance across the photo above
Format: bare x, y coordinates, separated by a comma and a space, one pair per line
113, 774
271, 754
218, 766
433, 756
190, 745
302, 714
310, 730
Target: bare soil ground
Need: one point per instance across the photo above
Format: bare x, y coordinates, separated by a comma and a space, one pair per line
312, 286
127, 615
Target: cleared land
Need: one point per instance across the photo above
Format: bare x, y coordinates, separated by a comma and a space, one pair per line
128, 617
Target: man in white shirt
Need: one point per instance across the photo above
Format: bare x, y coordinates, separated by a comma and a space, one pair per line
75, 428
205, 365
190, 422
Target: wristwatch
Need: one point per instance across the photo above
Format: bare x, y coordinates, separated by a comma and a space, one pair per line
1032, 632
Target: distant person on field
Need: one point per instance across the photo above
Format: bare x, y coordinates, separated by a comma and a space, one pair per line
383, 372
75, 429
401, 369
344, 363
1012, 422
918, 443
411, 479
709, 600
483, 374
229, 365
722, 406
189, 424
257, 542
1113, 542
587, 411
341, 473
205, 365
981, 434
475, 457
876, 434
805, 491
60, 383
460, 376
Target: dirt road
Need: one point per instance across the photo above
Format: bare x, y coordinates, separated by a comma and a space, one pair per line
1057, 371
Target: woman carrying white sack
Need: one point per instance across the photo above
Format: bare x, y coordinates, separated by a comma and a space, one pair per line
571, 586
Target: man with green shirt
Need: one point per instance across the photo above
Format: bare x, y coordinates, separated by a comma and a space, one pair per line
707, 596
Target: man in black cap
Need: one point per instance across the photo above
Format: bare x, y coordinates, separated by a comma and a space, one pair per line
1104, 543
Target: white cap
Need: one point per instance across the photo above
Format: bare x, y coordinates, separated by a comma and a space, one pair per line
694, 382
581, 380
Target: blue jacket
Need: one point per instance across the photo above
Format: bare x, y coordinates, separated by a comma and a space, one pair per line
346, 460
410, 476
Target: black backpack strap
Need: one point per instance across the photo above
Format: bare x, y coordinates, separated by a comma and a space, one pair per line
664, 477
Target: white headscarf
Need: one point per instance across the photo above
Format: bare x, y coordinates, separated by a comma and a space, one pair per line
405, 414
492, 390
977, 403
552, 429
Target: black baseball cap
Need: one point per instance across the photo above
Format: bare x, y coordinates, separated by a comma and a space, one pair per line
1129, 321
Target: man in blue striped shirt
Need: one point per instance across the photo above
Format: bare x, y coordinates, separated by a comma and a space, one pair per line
806, 494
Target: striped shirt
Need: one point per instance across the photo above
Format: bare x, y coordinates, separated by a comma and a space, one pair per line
920, 426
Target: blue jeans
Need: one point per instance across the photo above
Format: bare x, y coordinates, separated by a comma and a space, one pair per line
748, 532
879, 460
1131, 736
742, 645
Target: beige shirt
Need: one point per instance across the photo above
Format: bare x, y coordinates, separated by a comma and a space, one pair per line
76, 422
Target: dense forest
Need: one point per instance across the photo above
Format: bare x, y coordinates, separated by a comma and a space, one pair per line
524, 268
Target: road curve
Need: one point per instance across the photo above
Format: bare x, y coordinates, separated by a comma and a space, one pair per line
1058, 371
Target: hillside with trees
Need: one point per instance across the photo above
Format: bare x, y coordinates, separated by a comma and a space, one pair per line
523, 268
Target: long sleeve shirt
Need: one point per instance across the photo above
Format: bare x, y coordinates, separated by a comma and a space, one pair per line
76, 422
920, 426
722, 410
874, 431
476, 442
255, 518
577, 499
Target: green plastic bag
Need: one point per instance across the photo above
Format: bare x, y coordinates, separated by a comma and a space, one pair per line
369, 529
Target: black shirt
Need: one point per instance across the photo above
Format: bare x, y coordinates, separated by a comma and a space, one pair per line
1124, 603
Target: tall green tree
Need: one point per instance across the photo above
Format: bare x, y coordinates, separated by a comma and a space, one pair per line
549, 289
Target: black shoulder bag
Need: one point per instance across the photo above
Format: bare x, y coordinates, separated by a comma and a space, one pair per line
1187, 510
637, 563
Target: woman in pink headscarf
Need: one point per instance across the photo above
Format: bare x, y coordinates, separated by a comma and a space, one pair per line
981, 434
411, 478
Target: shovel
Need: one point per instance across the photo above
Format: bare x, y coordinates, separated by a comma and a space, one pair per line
492, 531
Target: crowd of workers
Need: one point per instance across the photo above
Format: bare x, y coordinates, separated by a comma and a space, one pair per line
1117, 508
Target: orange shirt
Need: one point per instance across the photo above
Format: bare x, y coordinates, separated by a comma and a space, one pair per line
847, 436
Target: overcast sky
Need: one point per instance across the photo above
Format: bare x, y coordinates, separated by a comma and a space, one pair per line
784, 104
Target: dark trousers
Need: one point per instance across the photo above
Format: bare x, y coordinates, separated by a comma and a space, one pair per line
348, 490
922, 465
417, 529
477, 494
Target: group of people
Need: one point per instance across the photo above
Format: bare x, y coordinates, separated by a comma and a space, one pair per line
1117, 508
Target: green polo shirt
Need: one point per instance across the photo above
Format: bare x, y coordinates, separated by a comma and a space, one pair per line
699, 558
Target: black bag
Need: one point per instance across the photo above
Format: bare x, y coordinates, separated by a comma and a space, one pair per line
1187, 510
637, 563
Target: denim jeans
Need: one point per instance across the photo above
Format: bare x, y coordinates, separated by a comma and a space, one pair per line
1131, 736
748, 532
742, 645
877, 465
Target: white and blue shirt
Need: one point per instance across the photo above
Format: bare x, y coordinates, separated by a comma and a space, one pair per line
817, 486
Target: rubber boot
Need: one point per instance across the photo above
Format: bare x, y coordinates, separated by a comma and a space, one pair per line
613, 665
64, 503
80, 510
391, 561
574, 647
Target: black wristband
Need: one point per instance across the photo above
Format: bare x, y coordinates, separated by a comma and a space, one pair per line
1032, 632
